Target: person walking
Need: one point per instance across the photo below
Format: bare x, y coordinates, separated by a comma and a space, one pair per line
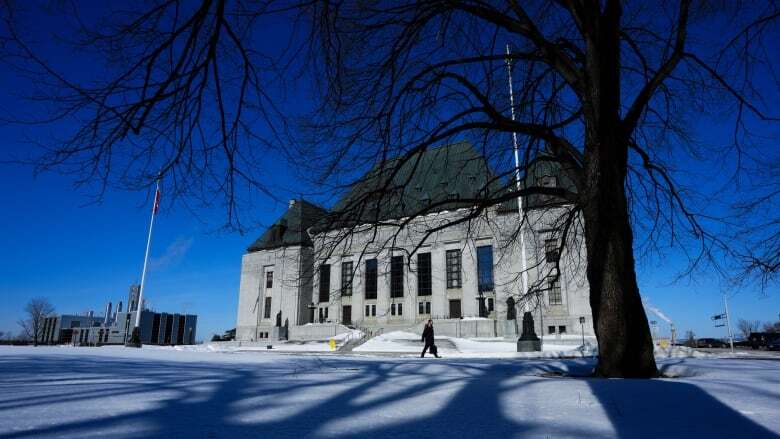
427, 338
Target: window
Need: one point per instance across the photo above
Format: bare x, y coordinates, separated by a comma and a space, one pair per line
392, 309
396, 309
424, 307
424, 287
397, 276
490, 304
551, 329
455, 309
269, 279
453, 269
555, 293
371, 275
368, 310
324, 282
323, 314
400, 309
562, 329
547, 181
267, 308
485, 268
551, 250
346, 278
373, 310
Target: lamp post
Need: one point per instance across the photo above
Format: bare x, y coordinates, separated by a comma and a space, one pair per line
582, 329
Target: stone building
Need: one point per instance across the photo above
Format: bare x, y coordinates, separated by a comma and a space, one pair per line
308, 277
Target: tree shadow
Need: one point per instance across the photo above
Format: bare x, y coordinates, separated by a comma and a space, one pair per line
298, 397
670, 408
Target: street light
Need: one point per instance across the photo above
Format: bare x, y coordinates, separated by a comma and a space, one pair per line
582, 328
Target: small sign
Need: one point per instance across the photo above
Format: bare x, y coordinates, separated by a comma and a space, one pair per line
332, 344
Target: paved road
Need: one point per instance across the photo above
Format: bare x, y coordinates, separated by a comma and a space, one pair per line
743, 353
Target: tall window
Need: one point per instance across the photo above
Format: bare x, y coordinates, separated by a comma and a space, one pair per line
371, 275
453, 269
269, 279
397, 276
551, 250
424, 274
346, 278
324, 282
267, 308
555, 293
485, 268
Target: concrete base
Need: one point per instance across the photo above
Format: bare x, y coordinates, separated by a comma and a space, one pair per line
529, 345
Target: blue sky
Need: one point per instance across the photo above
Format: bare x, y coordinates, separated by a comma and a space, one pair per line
80, 255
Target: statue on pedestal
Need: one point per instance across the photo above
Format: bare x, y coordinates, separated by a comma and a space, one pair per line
528, 341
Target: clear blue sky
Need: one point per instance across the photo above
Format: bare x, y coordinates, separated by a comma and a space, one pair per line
82, 256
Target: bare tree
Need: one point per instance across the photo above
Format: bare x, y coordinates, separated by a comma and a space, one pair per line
37, 311
745, 327
605, 91
772, 327
601, 91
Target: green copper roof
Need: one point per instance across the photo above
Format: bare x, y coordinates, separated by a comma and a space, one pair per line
290, 229
398, 188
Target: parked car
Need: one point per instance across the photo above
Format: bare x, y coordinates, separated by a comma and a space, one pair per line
711, 343
773, 344
760, 340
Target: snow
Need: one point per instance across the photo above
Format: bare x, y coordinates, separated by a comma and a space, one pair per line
454, 347
48, 392
278, 346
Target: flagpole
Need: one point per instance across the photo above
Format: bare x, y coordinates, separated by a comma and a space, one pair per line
523, 260
146, 255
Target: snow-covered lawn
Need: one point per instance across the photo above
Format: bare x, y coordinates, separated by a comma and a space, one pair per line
117, 392
453, 347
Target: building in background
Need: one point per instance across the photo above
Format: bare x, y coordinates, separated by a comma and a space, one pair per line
89, 330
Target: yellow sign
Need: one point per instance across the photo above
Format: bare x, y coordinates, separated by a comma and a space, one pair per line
664, 343
332, 344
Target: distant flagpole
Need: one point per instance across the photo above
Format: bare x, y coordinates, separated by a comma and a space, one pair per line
523, 261
146, 255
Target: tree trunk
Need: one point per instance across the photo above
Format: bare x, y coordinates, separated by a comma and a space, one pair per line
625, 344
619, 320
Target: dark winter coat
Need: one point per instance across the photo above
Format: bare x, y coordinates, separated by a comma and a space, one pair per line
427, 335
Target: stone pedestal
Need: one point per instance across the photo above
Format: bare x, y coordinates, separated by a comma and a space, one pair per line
528, 341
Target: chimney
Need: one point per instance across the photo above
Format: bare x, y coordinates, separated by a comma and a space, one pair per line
292, 203
107, 319
90, 313
118, 309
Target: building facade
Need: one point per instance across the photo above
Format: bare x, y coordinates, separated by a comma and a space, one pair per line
467, 277
88, 330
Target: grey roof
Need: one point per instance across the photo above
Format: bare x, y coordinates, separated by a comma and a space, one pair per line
437, 179
290, 229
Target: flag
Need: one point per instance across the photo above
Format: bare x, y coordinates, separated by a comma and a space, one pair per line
156, 201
